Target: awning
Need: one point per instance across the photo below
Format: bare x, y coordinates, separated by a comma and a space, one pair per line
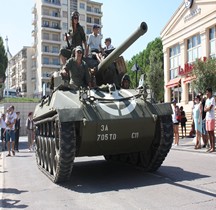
173, 83
189, 79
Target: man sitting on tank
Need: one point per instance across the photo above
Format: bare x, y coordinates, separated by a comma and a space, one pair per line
76, 70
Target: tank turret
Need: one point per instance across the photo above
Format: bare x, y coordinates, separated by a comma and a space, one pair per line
124, 46
107, 70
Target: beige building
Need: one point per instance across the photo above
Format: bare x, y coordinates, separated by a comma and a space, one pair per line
19, 72
51, 20
29, 71
190, 34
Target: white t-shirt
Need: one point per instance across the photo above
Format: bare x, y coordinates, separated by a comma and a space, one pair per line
210, 115
2, 124
94, 41
10, 117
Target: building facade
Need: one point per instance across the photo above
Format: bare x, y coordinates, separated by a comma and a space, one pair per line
29, 71
19, 75
189, 35
51, 19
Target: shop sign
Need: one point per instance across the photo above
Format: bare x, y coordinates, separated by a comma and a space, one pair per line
192, 14
187, 69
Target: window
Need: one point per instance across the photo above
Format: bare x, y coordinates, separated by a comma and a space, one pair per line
45, 12
212, 42
96, 10
45, 60
45, 23
89, 20
55, 37
97, 21
45, 48
82, 17
65, 26
88, 8
55, 25
194, 48
45, 36
55, 49
174, 60
82, 6
55, 61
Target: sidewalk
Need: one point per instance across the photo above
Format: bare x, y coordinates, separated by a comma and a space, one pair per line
188, 144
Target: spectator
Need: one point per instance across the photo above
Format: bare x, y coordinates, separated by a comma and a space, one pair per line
197, 117
175, 115
94, 41
204, 132
17, 131
10, 129
210, 118
3, 127
30, 130
183, 121
76, 37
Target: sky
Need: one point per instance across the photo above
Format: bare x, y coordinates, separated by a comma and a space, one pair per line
120, 19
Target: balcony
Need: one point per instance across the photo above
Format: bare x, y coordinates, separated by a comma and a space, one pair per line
34, 21
51, 28
54, 16
52, 41
95, 12
51, 65
34, 10
54, 4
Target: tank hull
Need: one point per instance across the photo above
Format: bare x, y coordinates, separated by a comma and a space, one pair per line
115, 124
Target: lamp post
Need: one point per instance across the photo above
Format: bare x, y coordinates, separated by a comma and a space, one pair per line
135, 68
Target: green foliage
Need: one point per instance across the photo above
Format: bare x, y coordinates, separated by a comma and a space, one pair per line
3, 60
150, 61
19, 100
205, 73
156, 74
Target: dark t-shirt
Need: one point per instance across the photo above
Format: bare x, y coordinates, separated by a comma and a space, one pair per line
79, 75
77, 37
203, 113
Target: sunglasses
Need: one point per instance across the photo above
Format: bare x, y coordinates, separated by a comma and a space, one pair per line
79, 52
75, 18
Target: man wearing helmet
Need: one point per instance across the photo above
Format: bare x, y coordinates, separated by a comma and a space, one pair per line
76, 36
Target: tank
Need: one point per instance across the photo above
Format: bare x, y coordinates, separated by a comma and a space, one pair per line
119, 124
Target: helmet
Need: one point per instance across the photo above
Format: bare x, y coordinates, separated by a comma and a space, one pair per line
126, 77
74, 14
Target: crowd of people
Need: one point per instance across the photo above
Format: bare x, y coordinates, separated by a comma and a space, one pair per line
10, 130
203, 116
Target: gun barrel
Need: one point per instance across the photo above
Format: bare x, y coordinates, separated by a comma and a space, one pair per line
127, 43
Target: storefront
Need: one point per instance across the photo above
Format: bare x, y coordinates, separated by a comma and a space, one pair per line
190, 34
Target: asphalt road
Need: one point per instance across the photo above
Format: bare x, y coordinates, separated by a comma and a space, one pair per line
186, 180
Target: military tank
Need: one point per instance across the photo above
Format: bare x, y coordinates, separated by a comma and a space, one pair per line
120, 124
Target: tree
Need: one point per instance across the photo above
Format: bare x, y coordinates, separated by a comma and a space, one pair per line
150, 61
156, 74
3, 60
205, 73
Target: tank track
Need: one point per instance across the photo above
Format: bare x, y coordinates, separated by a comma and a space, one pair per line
161, 145
56, 147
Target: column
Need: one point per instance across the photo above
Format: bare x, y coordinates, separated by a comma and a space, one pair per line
166, 77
